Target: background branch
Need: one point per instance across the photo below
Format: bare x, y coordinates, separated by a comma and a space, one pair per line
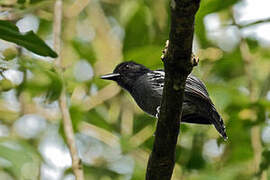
248, 60
177, 67
255, 130
245, 25
67, 124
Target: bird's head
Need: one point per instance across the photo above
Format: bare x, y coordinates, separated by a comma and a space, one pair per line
126, 73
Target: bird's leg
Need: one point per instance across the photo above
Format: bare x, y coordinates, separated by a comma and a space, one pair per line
194, 59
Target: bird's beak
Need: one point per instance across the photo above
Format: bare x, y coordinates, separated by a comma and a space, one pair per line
112, 76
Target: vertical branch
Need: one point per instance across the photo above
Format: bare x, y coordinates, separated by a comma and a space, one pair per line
57, 23
255, 130
178, 66
67, 124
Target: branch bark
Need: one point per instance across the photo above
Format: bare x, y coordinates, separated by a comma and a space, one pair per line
178, 66
67, 124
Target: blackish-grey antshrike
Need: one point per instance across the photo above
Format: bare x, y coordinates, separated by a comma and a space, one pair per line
146, 88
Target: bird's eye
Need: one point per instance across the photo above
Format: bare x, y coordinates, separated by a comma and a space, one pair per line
127, 66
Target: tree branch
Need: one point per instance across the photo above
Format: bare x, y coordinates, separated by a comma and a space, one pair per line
177, 67
67, 124
245, 25
255, 130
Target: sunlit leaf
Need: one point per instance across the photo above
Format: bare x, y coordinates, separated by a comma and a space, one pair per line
10, 53
149, 55
29, 40
45, 80
22, 160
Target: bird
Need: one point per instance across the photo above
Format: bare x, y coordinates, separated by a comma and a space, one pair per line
146, 87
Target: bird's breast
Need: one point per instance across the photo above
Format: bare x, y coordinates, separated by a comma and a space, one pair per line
146, 97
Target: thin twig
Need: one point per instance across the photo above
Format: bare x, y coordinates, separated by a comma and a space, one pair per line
76, 8
68, 129
245, 25
106, 44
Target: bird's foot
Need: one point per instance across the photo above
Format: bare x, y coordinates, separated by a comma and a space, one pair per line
165, 51
158, 111
194, 60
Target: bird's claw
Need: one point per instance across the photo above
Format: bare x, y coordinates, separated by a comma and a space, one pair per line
194, 60
158, 111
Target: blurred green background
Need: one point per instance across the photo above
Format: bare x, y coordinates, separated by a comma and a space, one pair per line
114, 137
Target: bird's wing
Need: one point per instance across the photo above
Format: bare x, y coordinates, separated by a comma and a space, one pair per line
196, 87
156, 79
193, 84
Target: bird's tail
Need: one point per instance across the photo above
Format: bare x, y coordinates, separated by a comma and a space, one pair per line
217, 121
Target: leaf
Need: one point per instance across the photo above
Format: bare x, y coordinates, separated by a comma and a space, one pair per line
85, 50
22, 161
230, 65
264, 164
55, 87
6, 85
207, 7
238, 137
196, 160
21, 1
137, 30
29, 40
100, 171
149, 55
44, 79
10, 53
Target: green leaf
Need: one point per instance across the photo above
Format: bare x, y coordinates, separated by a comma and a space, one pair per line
10, 53
44, 79
21, 1
29, 40
137, 30
55, 86
6, 85
21, 160
149, 55
265, 162
208, 7
196, 160
85, 50
230, 65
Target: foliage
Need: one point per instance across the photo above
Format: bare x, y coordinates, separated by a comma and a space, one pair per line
29, 40
114, 136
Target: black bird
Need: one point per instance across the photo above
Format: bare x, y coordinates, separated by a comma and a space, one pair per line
146, 88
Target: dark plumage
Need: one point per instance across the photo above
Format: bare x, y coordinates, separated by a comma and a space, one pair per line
146, 88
